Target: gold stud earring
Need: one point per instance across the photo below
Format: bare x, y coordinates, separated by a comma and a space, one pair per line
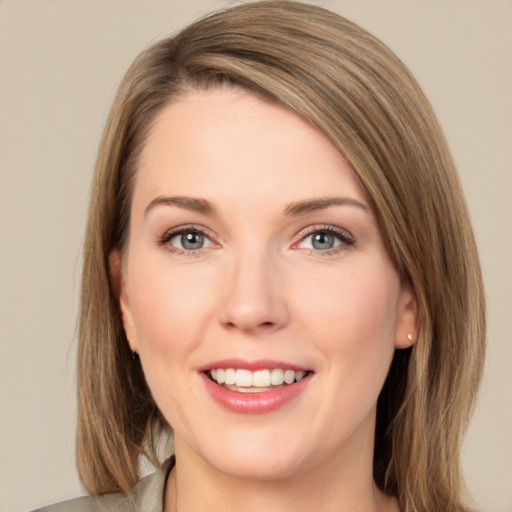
412, 341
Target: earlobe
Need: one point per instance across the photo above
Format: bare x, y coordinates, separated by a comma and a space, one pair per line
122, 298
407, 320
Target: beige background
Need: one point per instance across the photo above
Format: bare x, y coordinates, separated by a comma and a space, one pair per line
60, 61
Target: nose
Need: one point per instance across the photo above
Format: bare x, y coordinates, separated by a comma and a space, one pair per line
254, 300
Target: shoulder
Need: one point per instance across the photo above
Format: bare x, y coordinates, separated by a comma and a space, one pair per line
108, 502
146, 496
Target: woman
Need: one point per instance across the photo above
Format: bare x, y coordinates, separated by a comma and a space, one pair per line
280, 266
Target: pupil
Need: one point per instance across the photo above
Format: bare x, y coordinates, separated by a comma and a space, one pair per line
192, 241
323, 241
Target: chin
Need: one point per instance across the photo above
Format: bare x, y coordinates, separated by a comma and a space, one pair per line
260, 466
264, 455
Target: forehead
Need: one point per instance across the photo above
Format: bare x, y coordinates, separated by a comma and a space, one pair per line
223, 144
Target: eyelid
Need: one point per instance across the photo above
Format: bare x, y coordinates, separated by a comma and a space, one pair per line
177, 230
345, 237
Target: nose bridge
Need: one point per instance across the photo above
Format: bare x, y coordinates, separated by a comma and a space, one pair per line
253, 297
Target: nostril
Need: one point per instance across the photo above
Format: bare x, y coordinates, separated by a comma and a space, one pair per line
258, 326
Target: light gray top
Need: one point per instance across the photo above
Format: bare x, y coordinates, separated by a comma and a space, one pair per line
146, 496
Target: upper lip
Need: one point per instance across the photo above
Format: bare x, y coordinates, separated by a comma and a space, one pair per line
259, 364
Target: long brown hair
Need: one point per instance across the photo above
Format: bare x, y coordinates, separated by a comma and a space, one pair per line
355, 91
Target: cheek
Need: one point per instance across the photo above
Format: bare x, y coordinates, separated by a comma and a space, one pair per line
170, 311
353, 317
170, 307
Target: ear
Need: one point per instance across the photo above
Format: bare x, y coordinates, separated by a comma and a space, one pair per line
406, 332
122, 298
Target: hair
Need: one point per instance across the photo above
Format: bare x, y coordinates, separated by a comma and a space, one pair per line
360, 96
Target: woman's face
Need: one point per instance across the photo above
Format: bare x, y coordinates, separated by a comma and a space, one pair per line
255, 258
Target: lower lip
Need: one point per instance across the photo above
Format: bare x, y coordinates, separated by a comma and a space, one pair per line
254, 403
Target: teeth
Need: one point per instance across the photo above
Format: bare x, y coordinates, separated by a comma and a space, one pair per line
299, 375
289, 376
261, 379
276, 377
229, 376
241, 378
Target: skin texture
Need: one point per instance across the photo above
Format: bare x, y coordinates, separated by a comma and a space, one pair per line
259, 288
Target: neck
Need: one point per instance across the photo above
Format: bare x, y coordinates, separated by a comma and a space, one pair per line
327, 486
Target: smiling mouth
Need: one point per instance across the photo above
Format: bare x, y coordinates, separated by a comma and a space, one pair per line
247, 381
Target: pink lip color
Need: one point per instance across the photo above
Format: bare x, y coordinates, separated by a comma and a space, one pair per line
253, 403
260, 364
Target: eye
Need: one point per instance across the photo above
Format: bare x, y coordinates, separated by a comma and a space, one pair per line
322, 241
185, 239
188, 240
327, 239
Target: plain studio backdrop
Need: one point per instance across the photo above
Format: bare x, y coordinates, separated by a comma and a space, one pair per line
60, 63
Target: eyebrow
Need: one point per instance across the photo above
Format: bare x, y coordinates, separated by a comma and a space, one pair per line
293, 209
311, 205
189, 203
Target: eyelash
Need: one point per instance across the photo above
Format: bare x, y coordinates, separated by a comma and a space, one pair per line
346, 239
190, 228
